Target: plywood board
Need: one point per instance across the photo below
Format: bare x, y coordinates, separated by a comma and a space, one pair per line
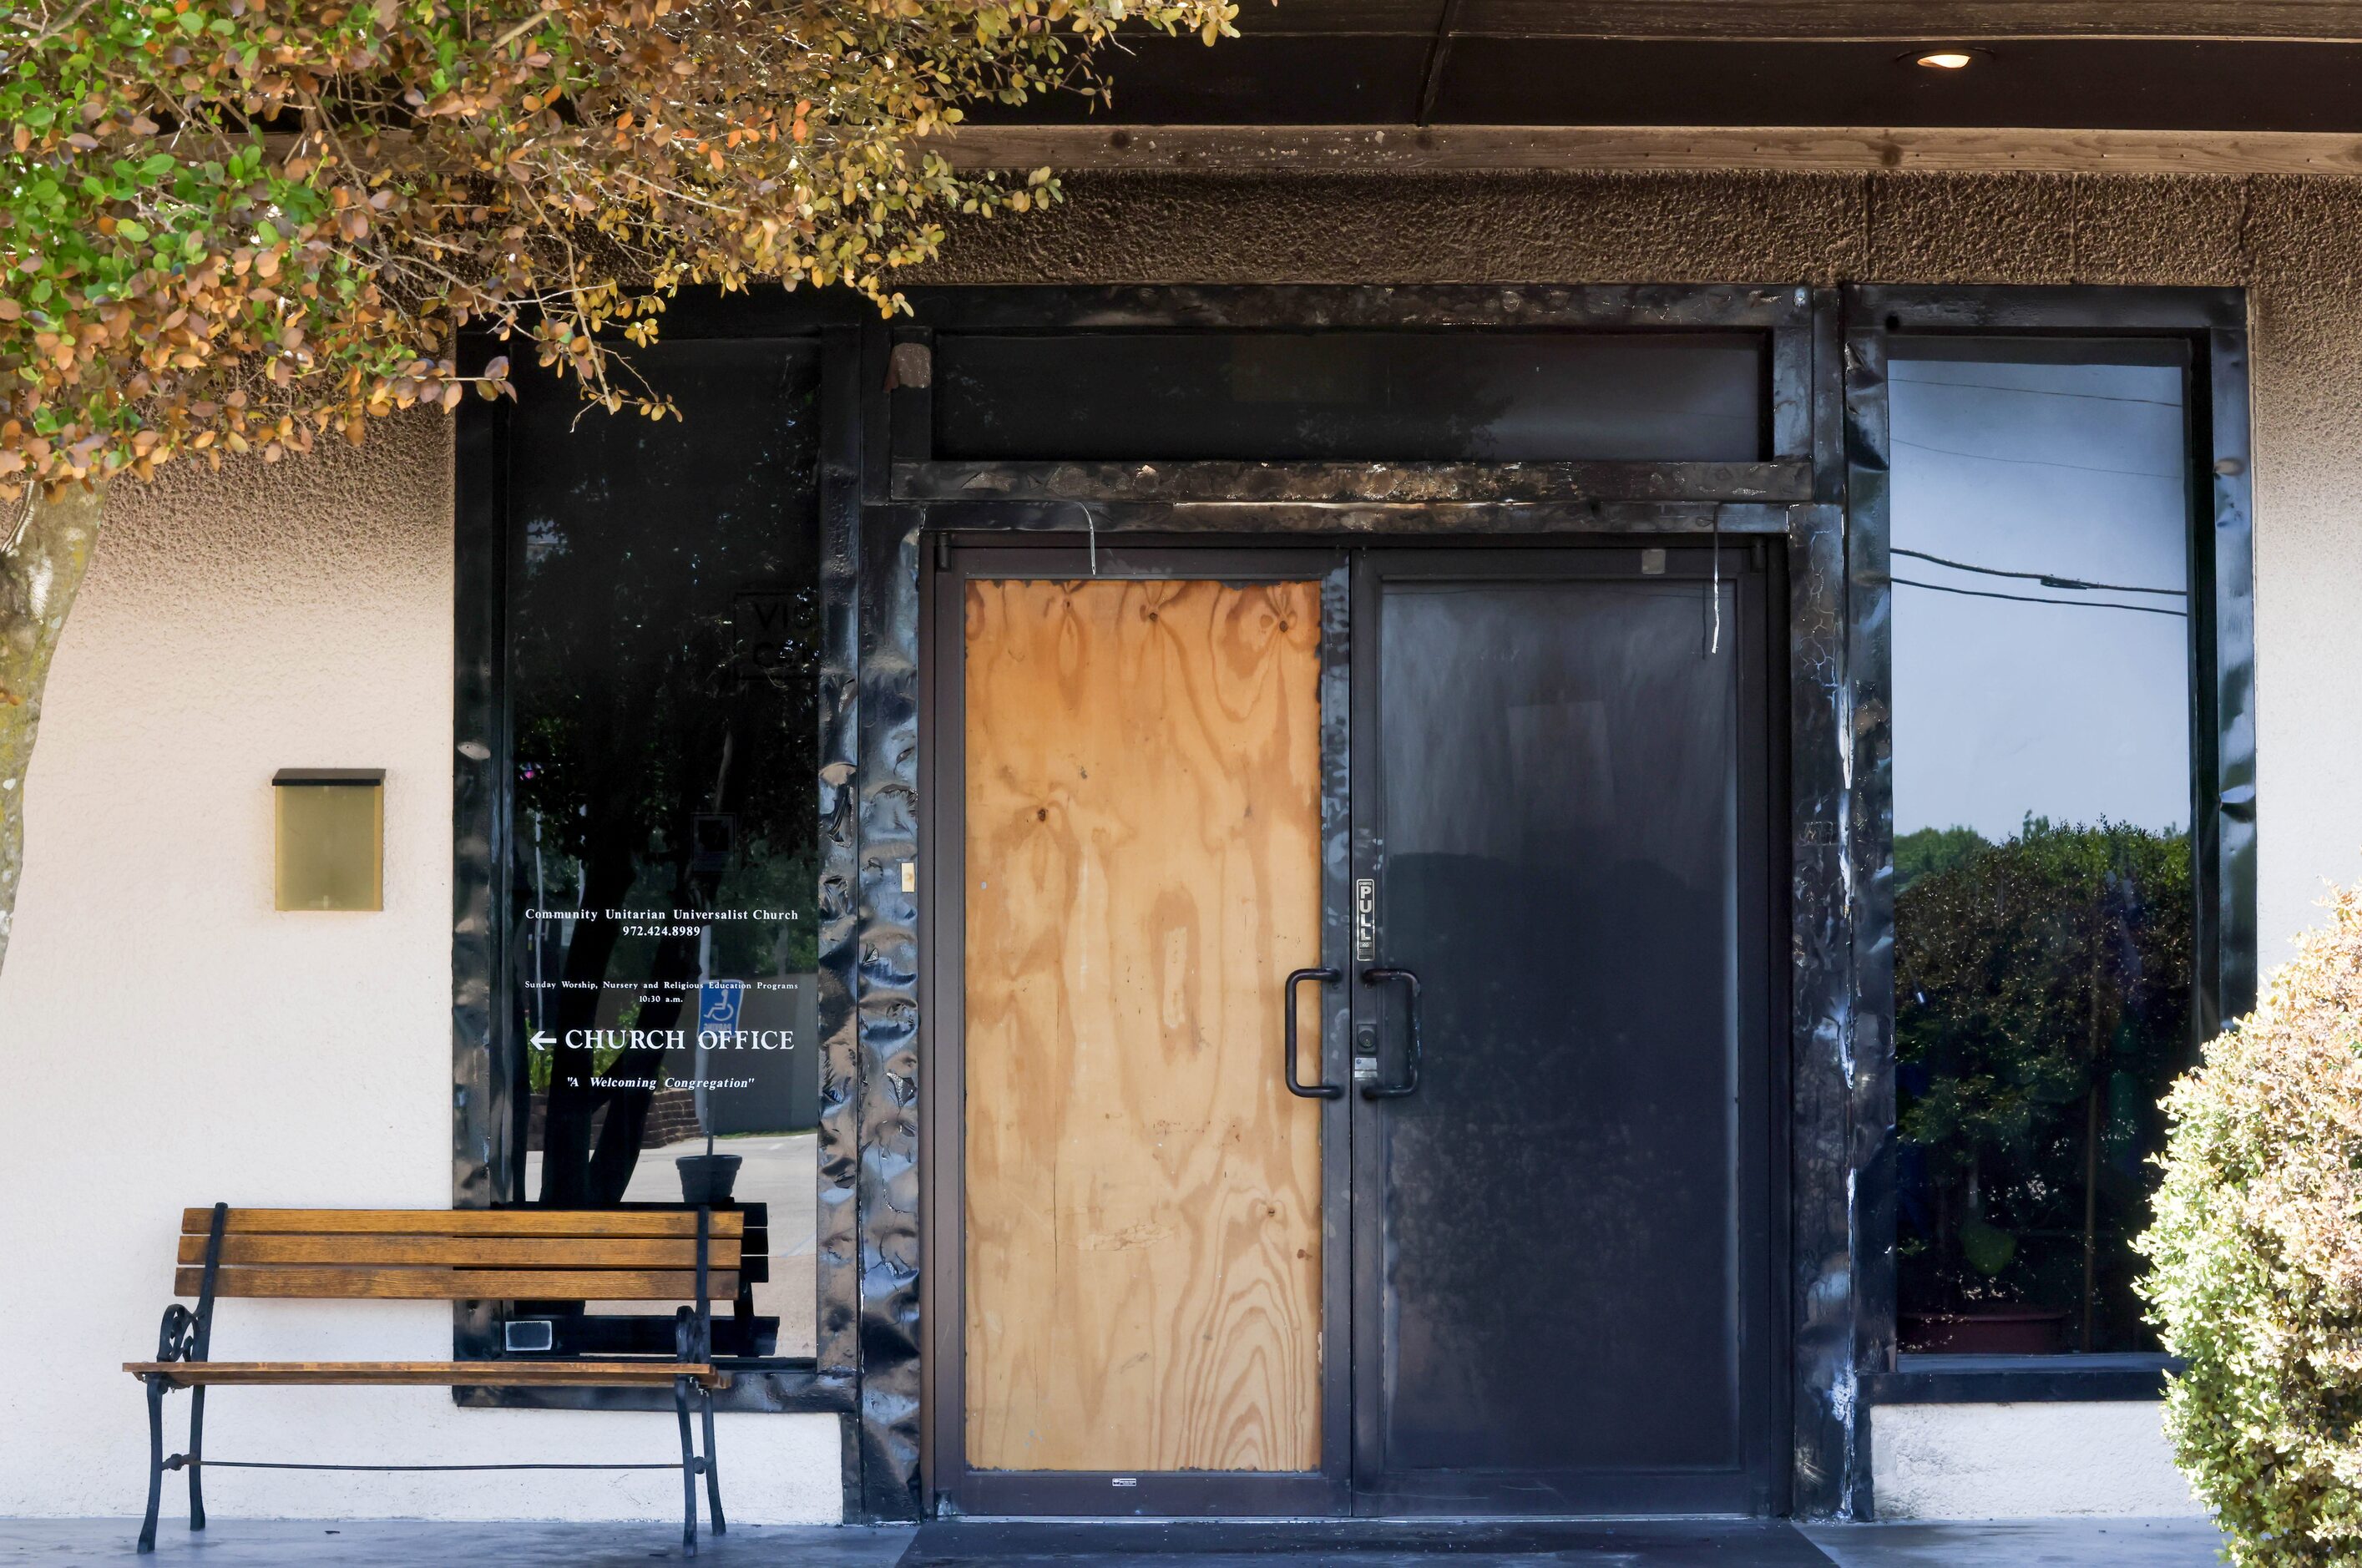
1142, 1241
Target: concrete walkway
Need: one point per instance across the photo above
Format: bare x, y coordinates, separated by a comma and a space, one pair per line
290, 1543
2024, 1543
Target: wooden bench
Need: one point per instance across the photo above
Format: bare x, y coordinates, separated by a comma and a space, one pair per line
394, 1254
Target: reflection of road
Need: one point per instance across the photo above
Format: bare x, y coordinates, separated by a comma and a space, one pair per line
782, 1170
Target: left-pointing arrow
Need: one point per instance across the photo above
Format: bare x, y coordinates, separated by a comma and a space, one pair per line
542, 1041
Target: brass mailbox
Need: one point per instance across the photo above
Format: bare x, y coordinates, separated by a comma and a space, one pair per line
330, 825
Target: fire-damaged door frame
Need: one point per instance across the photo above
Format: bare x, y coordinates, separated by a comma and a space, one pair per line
886, 501
1331, 1017
949, 509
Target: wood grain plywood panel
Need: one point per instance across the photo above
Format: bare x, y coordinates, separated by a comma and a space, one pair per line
1142, 1259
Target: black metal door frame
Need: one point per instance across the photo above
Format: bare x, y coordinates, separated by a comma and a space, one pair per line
1350, 573
1760, 1486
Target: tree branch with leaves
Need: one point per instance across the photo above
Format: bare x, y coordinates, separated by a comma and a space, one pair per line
229, 228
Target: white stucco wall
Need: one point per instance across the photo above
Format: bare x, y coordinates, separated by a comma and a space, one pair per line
2007, 1462
170, 1039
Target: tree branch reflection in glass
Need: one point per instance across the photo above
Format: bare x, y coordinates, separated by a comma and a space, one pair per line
663, 624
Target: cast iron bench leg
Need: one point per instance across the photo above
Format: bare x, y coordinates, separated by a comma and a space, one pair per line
718, 1525
196, 1457
688, 1470
155, 1461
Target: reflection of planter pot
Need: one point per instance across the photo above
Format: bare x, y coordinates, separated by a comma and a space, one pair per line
1990, 1331
708, 1179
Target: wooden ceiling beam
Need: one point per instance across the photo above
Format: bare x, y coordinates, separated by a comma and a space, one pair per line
1369, 149
1860, 20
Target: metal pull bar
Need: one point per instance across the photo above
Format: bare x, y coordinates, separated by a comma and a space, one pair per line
1410, 1056
1305, 1090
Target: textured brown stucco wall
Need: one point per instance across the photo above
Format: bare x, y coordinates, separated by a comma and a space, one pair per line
1627, 228
2295, 243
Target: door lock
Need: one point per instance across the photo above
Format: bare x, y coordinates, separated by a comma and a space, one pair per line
1372, 1088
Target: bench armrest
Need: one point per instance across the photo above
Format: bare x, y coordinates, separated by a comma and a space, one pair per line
177, 1337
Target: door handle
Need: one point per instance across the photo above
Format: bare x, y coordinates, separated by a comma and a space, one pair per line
1305, 1090
1410, 1056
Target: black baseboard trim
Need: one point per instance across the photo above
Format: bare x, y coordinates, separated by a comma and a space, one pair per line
2017, 1379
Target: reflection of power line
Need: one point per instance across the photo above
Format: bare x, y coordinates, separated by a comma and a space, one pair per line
2044, 577
2036, 392
2030, 599
2032, 462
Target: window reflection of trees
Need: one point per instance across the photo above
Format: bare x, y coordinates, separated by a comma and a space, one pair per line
2042, 1003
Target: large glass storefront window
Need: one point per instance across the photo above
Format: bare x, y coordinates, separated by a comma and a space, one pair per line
662, 621
2044, 914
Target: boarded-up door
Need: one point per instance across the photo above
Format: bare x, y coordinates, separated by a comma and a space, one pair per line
1142, 834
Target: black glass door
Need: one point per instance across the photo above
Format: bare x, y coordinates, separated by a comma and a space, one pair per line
1565, 1178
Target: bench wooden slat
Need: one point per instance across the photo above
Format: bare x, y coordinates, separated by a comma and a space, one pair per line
471, 1251
321, 1283
463, 1222
433, 1373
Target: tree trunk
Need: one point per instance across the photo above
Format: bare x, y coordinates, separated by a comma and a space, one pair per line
45, 547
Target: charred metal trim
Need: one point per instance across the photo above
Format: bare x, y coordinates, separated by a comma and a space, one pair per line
886, 1007
942, 1087
1821, 1016
1300, 519
2018, 1379
1793, 405
1332, 1048
1829, 396
909, 384
1831, 1460
1413, 483
1870, 845
1611, 306
1870, 1114
2226, 669
835, 1219
2089, 310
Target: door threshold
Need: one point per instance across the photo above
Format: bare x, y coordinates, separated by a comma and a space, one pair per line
970, 1539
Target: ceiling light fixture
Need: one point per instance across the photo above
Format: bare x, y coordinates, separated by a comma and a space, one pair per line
1946, 60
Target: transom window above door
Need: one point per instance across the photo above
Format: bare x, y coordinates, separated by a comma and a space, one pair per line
1353, 395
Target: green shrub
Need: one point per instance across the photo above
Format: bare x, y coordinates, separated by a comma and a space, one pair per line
2257, 1261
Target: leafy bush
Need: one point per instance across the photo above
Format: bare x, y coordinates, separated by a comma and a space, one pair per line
2257, 1254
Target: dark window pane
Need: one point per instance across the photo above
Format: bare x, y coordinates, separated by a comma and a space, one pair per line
1352, 396
662, 615
2043, 905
